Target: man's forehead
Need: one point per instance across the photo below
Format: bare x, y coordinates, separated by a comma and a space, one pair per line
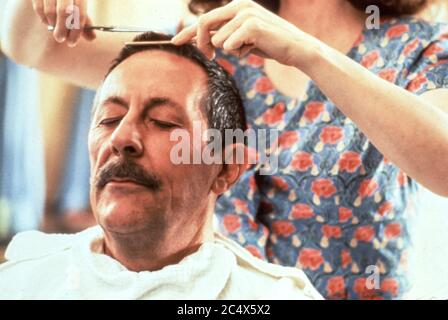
160, 62
157, 70
156, 73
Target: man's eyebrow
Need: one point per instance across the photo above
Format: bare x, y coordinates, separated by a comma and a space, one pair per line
154, 102
116, 100
149, 104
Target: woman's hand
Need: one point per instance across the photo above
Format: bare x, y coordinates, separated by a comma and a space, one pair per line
243, 26
69, 17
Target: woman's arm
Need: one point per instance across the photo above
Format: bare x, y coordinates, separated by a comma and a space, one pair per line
26, 40
411, 130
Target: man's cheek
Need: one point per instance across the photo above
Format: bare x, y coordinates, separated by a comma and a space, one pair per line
94, 145
162, 150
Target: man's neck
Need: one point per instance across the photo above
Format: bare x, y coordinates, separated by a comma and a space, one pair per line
142, 252
334, 22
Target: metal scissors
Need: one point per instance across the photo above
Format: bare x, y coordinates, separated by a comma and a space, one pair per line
123, 29
111, 29
129, 29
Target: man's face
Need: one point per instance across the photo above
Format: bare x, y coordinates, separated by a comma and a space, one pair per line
135, 187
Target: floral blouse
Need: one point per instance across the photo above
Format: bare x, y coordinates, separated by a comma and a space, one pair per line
336, 207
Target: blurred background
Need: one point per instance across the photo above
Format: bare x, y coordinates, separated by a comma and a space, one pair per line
44, 167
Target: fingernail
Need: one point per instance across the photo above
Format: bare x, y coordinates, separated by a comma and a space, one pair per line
72, 44
60, 40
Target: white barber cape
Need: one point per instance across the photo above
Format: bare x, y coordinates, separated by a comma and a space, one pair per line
41, 266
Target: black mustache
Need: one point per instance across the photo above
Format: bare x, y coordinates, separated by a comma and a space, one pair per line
129, 171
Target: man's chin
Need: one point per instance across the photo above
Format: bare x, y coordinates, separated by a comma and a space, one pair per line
122, 231
122, 224
127, 215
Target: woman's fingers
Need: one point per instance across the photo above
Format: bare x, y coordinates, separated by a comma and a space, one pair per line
61, 31
185, 35
240, 53
228, 21
89, 34
206, 24
211, 21
68, 17
239, 39
244, 27
78, 12
229, 28
50, 11
38, 7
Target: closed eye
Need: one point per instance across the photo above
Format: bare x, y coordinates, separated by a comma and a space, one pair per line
110, 121
164, 125
161, 124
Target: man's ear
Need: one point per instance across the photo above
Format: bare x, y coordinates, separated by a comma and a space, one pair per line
236, 162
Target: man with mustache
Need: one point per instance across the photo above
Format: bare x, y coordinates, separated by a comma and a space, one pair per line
155, 239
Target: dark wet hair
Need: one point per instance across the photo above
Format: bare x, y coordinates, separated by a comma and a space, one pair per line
222, 104
387, 7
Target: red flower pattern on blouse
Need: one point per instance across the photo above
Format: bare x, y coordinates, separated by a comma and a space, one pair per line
288, 139
363, 291
332, 231
417, 83
313, 110
432, 50
388, 75
283, 228
302, 161
302, 211
349, 161
346, 258
255, 61
397, 31
411, 47
263, 85
370, 59
336, 288
232, 223
365, 233
240, 205
310, 258
230, 68
331, 135
252, 224
274, 115
280, 183
345, 214
367, 188
385, 208
393, 230
390, 285
254, 251
323, 188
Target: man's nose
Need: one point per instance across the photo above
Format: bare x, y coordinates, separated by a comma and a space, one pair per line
126, 140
